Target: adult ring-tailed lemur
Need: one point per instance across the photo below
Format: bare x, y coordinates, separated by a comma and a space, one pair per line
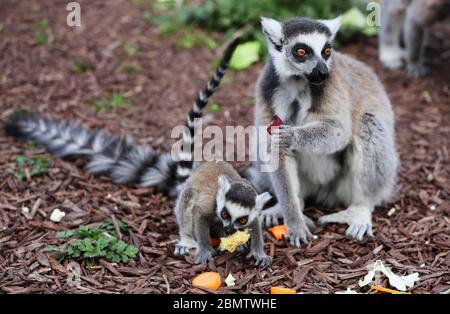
337, 145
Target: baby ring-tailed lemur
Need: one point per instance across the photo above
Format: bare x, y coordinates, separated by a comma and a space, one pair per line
117, 157
217, 201
337, 146
408, 20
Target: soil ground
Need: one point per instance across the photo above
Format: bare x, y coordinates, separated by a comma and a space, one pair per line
415, 238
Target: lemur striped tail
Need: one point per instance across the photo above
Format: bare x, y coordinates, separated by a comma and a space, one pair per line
184, 166
116, 157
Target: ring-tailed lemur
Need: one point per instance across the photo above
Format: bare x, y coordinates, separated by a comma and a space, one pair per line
118, 157
410, 20
337, 145
216, 200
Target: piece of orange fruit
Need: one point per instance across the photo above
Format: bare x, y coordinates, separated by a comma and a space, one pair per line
210, 280
281, 290
278, 231
215, 242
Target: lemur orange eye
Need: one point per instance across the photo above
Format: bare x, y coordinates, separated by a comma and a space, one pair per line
243, 221
301, 52
327, 52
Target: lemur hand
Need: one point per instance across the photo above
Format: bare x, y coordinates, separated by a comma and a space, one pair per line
262, 260
204, 256
283, 136
298, 233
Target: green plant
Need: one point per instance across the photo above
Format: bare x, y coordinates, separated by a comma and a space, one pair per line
245, 55
43, 34
214, 107
82, 67
108, 102
94, 243
131, 67
35, 166
130, 49
196, 39
108, 226
231, 16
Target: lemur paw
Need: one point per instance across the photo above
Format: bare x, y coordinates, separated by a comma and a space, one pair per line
242, 248
358, 219
182, 248
418, 70
270, 217
298, 234
283, 136
391, 57
309, 222
262, 260
203, 257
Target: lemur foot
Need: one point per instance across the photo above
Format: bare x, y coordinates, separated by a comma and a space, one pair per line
391, 57
298, 233
242, 248
418, 70
262, 260
182, 248
270, 217
358, 218
204, 256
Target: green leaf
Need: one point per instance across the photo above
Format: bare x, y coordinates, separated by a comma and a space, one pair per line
131, 251
125, 258
52, 248
81, 67
130, 49
245, 55
214, 107
354, 21
353, 18
197, 39
147, 16
119, 246
65, 234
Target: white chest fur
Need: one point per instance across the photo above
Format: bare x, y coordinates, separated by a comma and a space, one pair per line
292, 101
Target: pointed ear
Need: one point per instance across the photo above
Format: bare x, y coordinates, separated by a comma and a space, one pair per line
273, 31
224, 184
262, 199
333, 25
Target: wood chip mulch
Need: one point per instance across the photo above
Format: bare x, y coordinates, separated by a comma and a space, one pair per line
412, 234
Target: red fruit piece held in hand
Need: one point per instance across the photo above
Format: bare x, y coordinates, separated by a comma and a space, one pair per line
275, 124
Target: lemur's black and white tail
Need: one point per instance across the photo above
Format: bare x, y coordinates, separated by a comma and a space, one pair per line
117, 157
184, 166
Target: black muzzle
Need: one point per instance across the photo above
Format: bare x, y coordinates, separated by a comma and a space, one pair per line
319, 74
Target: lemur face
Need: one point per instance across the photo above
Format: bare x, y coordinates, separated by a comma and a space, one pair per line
301, 47
238, 204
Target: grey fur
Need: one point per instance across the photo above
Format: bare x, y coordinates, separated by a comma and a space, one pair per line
242, 193
303, 25
409, 19
270, 81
